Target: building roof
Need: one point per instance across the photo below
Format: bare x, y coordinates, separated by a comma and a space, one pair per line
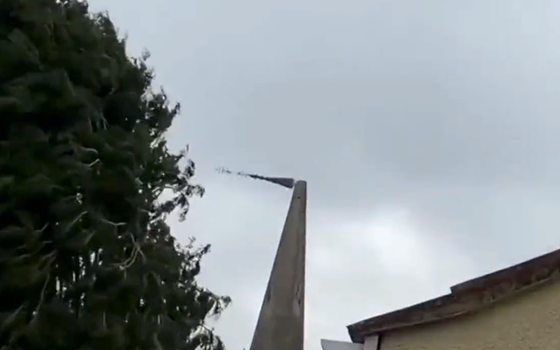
464, 298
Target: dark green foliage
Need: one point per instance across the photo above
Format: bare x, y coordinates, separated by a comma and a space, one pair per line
86, 259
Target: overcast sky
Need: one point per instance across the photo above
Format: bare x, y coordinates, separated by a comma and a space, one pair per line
428, 132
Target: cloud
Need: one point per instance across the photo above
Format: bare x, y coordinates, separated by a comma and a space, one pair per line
427, 132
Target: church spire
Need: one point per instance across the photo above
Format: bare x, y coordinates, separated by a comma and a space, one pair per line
280, 325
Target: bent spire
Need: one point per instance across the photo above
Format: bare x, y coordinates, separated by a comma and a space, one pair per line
280, 325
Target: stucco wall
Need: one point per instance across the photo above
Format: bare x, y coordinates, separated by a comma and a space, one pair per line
529, 321
371, 343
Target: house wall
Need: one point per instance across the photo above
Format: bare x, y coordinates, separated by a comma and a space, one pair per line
530, 320
371, 343
340, 345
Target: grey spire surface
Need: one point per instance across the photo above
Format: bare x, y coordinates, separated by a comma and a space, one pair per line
280, 325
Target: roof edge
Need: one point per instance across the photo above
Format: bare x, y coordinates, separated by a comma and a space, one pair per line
464, 298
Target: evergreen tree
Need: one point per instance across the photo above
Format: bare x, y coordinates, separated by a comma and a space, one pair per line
86, 258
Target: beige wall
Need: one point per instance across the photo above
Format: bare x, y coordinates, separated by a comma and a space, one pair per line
530, 321
371, 343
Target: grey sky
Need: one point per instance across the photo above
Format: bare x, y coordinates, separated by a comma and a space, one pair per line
428, 132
